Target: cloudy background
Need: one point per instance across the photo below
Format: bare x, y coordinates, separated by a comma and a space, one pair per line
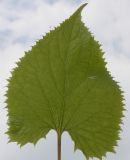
22, 22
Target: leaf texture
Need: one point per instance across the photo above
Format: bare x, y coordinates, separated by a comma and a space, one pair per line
62, 84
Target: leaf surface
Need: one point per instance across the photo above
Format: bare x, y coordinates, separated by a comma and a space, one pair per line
62, 84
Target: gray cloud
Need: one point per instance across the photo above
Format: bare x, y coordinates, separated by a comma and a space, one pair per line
23, 22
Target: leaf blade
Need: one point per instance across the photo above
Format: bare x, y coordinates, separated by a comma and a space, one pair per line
62, 83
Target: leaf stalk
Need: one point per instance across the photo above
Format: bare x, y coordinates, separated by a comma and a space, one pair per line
59, 145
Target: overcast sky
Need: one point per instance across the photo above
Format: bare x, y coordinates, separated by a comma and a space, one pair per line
22, 22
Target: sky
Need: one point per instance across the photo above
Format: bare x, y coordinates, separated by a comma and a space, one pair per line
22, 22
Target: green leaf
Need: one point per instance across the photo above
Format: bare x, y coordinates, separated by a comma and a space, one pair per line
62, 84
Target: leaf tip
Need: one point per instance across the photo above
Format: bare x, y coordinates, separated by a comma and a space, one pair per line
80, 8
